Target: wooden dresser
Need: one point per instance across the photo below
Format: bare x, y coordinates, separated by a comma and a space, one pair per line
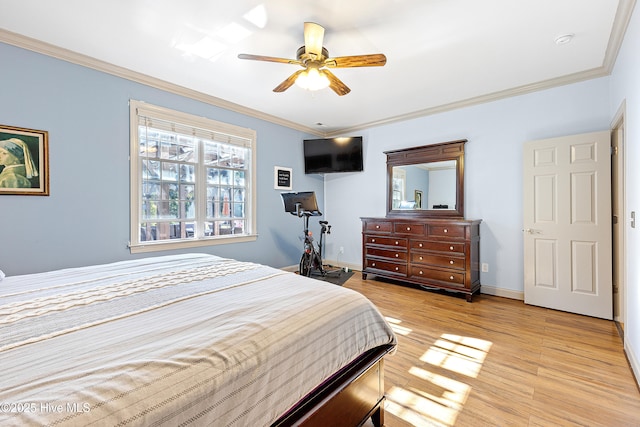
432, 253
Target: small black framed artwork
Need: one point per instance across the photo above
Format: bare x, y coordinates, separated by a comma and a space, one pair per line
24, 161
283, 178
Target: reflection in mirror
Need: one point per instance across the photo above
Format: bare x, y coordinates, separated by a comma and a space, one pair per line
426, 181
425, 186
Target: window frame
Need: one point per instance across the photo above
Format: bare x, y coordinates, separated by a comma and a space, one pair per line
138, 109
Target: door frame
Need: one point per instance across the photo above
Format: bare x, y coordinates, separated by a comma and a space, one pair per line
620, 264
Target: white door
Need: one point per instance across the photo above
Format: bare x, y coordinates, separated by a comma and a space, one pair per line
567, 224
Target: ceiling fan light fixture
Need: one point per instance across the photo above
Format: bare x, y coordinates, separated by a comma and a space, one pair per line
316, 63
312, 79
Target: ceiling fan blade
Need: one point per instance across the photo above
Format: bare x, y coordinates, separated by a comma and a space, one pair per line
374, 60
335, 83
288, 82
313, 38
268, 59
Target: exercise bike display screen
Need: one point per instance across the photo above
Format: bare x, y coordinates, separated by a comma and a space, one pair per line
301, 201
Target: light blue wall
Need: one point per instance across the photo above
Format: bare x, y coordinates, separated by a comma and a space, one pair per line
417, 179
85, 220
493, 168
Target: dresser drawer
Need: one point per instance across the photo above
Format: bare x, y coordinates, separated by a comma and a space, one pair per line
416, 229
438, 260
378, 226
386, 241
451, 247
374, 264
451, 278
447, 230
399, 255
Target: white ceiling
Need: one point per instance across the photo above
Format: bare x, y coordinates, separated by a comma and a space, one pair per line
441, 54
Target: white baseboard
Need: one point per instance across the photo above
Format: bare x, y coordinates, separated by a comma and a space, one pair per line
500, 292
633, 361
342, 264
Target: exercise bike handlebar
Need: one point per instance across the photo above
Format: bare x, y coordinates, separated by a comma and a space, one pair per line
325, 227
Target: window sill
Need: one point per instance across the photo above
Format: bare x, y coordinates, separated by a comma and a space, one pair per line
185, 244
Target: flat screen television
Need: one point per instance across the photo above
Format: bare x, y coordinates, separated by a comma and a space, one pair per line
328, 155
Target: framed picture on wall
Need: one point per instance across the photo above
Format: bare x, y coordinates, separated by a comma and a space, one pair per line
24, 161
417, 194
283, 179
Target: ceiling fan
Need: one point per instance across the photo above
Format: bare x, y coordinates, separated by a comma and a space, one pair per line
315, 60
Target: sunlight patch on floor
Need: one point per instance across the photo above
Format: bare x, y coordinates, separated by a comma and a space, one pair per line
455, 392
395, 325
421, 409
463, 355
440, 401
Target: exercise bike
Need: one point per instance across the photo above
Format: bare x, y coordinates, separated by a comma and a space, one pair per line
304, 205
311, 258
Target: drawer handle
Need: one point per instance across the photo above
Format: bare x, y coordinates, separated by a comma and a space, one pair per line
421, 273
421, 260
397, 268
408, 228
450, 248
373, 264
451, 262
397, 255
420, 245
377, 226
446, 231
450, 277
373, 240
397, 243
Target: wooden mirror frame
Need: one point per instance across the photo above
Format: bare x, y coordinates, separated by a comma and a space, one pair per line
452, 150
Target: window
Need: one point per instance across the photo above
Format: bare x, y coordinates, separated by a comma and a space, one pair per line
192, 180
399, 187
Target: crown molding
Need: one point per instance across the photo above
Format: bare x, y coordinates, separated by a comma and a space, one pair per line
619, 27
494, 96
44, 48
620, 24
618, 30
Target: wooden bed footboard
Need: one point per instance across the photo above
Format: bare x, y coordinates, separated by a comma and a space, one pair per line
348, 398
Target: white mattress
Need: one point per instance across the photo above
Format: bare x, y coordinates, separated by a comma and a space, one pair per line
176, 340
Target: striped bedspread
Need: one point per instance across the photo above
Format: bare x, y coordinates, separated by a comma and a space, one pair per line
175, 340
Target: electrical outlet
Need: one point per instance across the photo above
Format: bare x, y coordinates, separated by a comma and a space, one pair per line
485, 267
341, 250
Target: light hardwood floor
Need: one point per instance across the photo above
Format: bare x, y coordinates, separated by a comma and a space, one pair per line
499, 362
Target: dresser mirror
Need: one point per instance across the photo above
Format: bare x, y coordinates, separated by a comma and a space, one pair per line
426, 181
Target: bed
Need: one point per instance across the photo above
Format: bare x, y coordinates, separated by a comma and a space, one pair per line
190, 339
